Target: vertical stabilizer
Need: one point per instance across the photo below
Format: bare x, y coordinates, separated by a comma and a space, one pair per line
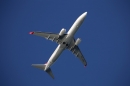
42, 66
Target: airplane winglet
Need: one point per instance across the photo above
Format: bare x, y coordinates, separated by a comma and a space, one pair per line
42, 67
31, 32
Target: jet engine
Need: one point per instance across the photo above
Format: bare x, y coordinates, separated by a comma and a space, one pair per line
77, 41
62, 32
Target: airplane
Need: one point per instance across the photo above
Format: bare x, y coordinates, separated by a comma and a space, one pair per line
65, 41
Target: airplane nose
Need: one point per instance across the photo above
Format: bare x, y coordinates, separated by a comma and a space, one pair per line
85, 13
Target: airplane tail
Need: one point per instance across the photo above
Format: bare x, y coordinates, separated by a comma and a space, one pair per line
42, 66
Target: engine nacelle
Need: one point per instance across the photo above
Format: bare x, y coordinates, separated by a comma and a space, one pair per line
78, 41
62, 32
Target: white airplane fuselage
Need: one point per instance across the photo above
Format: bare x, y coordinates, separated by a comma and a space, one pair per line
66, 41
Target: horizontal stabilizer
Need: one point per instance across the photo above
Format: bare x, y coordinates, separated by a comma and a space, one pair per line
42, 66
50, 72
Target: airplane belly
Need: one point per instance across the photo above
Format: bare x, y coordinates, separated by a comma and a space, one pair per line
55, 55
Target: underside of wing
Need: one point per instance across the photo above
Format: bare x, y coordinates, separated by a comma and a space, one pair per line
76, 51
50, 36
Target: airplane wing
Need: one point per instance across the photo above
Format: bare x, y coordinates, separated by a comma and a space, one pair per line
50, 36
76, 51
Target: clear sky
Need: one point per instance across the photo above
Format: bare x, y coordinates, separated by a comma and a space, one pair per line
105, 35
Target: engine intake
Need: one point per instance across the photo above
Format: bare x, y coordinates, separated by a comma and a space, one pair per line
77, 41
62, 32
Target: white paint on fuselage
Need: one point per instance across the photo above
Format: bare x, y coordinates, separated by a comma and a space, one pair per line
70, 34
77, 24
54, 56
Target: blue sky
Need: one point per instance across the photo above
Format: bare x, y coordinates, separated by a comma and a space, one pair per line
105, 35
